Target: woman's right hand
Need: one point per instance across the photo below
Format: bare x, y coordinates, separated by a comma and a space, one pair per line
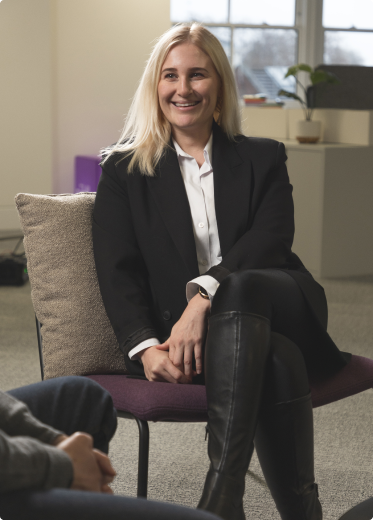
159, 367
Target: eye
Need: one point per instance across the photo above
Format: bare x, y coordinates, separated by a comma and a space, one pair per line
170, 75
197, 74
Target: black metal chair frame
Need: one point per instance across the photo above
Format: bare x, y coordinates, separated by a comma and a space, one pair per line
143, 460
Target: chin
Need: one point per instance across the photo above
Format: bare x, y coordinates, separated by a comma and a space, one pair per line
184, 125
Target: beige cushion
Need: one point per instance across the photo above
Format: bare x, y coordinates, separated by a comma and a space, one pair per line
77, 336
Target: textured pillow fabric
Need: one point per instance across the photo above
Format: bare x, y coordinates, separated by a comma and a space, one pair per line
77, 336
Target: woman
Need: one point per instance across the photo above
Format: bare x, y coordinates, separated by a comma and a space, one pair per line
186, 201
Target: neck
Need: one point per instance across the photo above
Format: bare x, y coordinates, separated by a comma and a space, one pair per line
193, 141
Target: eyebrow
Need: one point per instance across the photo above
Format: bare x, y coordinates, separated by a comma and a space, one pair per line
192, 69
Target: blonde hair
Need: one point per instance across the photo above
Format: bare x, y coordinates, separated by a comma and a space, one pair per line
146, 132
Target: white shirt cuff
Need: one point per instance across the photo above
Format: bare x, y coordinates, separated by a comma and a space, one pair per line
207, 282
142, 346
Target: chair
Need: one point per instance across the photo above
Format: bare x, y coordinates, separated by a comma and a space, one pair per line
143, 401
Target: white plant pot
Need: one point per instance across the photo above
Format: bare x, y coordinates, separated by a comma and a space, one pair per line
308, 131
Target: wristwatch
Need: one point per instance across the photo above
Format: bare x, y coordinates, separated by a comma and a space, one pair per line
203, 293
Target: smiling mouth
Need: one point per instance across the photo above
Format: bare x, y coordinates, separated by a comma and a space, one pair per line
185, 104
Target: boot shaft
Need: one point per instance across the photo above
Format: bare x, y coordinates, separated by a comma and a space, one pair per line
237, 348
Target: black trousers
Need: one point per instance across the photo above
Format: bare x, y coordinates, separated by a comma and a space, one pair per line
79, 404
275, 295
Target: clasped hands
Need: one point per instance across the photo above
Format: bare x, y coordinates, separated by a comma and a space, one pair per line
92, 468
172, 360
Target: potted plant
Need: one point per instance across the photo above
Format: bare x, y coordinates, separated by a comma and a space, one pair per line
308, 131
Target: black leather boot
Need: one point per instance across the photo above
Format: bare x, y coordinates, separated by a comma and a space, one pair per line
284, 444
237, 348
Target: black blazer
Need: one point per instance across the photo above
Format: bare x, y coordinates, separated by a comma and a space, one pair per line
144, 245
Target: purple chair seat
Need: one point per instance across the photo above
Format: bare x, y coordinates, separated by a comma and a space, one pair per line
156, 401
187, 403
356, 377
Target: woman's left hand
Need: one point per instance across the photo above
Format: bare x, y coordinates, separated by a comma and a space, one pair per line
188, 335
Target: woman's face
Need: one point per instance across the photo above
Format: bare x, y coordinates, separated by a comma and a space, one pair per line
188, 89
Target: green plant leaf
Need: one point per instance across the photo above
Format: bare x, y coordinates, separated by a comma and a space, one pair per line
323, 76
293, 71
305, 68
290, 95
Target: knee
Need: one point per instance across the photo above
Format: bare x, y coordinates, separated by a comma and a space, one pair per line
251, 281
241, 290
81, 387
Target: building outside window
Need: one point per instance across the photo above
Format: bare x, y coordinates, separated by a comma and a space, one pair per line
262, 39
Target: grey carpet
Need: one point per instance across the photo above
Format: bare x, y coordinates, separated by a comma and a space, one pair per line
178, 460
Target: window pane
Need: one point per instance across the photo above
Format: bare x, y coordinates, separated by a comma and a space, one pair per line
208, 11
348, 14
223, 34
271, 12
348, 48
261, 59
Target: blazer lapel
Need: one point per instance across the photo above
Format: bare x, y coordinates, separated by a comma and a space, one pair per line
232, 189
168, 190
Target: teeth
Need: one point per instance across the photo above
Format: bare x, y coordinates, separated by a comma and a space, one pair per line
185, 104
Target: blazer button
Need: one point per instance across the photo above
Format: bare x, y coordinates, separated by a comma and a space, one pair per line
166, 315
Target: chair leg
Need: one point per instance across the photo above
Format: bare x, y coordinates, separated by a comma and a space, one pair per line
142, 477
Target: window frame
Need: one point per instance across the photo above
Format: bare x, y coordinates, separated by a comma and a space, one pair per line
308, 26
233, 26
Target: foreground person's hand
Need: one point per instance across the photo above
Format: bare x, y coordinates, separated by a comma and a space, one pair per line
187, 337
159, 367
92, 469
107, 470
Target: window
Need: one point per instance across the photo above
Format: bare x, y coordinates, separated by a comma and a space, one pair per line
260, 43
348, 32
262, 39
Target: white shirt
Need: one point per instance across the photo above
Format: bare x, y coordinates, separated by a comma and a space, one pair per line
199, 186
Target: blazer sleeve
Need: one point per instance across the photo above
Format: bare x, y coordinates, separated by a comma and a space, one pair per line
268, 239
121, 271
26, 460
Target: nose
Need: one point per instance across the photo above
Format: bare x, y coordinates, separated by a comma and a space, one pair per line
184, 87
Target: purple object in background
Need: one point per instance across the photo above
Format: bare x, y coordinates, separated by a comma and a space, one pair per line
87, 173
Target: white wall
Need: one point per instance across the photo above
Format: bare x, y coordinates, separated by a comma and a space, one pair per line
68, 70
101, 48
25, 103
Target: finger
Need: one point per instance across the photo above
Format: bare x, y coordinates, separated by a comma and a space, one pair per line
188, 358
176, 374
161, 375
164, 346
178, 357
198, 358
171, 352
107, 479
104, 463
107, 490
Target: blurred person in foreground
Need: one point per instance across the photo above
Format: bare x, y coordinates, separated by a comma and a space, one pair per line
54, 440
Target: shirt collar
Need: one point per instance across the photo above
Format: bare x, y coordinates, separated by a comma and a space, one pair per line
206, 152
